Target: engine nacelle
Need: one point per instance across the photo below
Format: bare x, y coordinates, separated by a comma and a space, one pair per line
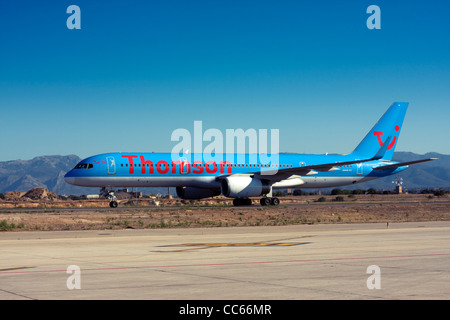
244, 187
192, 193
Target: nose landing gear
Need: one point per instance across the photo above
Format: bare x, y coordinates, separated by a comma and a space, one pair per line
112, 200
110, 196
113, 204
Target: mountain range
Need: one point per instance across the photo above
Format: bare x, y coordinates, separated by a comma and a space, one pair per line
43, 171
49, 171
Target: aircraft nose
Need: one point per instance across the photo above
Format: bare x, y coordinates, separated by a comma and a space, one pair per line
69, 178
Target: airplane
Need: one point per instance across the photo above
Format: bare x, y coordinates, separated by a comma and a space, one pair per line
241, 176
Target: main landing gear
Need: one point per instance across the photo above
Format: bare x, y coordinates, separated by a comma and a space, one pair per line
266, 201
269, 201
242, 202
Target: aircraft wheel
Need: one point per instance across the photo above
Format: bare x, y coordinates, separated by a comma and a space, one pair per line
265, 201
113, 204
275, 201
242, 202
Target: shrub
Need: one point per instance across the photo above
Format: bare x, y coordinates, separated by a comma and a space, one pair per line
5, 226
439, 193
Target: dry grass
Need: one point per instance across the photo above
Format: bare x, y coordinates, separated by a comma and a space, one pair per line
219, 213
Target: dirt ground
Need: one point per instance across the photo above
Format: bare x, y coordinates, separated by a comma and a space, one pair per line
218, 212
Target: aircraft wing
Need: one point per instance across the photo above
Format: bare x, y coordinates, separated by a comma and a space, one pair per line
278, 174
282, 174
402, 164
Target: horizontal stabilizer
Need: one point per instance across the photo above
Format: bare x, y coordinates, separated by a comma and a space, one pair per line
402, 164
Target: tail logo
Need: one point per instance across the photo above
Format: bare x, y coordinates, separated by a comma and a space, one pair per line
378, 134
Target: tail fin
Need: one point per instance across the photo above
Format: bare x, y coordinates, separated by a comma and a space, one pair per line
389, 125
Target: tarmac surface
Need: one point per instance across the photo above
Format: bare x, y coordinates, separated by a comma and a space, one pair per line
329, 261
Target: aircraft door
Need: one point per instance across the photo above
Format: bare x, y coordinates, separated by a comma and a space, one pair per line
359, 169
185, 166
111, 163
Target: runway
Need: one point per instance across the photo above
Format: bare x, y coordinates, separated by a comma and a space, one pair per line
345, 261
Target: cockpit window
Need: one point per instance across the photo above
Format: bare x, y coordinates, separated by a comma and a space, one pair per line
84, 166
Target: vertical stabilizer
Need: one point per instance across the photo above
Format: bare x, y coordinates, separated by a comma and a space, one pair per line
389, 125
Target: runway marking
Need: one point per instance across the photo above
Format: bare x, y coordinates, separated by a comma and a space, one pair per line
16, 268
199, 246
233, 263
268, 243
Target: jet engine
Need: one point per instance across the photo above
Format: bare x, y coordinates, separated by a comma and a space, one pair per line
191, 193
243, 187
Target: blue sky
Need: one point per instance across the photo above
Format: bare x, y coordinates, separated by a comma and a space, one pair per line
137, 70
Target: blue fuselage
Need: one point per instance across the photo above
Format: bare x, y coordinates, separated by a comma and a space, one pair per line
162, 170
